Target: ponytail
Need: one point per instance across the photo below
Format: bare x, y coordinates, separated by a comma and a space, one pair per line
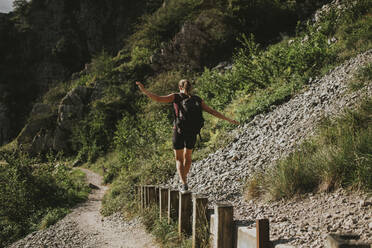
185, 85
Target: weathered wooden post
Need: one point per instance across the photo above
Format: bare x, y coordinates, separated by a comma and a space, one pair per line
157, 195
145, 196
163, 201
152, 195
200, 227
142, 197
173, 201
223, 221
263, 233
185, 212
138, 196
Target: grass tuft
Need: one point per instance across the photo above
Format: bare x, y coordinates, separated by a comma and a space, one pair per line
339, 156
362, 78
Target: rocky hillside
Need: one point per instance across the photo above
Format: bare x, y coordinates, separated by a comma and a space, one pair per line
44, 42
268, 137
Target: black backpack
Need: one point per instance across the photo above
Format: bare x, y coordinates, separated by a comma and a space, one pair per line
188, 114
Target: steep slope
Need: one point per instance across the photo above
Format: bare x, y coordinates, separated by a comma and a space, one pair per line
271, 136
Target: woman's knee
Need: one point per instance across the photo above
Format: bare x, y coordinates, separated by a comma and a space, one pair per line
187, 156
179, 160
179, 156
187, 160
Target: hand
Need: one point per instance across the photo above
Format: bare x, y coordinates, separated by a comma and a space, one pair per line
140, 86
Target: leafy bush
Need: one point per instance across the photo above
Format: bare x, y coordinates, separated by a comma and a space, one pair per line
101, 66
255, 69
93, 135
32, 192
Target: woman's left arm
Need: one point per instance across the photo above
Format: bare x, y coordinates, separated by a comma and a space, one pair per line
164, 99
210, 110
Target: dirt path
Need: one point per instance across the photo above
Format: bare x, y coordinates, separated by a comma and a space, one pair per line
86, 227
108, 233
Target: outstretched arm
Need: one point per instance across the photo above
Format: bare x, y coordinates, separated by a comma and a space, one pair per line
208, 109
165, 99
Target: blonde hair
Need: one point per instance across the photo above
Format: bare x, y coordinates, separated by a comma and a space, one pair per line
185, 85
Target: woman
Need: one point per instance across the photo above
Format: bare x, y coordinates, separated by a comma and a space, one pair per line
183, 143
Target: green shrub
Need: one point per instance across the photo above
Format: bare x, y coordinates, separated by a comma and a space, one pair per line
362, 78
255, 69
30, 190
53, 216
101, 66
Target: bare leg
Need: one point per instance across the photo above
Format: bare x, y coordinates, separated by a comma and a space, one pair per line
180, 164
187, 162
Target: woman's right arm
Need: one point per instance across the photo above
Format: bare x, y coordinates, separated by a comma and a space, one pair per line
164, 99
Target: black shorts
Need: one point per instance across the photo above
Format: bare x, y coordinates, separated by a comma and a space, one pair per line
180, 141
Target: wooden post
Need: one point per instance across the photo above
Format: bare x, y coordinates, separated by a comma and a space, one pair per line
224, 226
185, 212
200, 227
173, 201
263, 233
152, 195
145, 196
163, 202
142, 197
138, 196
157, 199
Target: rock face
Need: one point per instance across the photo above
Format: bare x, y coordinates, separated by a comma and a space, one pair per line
70, 111
197, 43
4, 125
52, 39
268, 137
37, 135
48, 130
72, 107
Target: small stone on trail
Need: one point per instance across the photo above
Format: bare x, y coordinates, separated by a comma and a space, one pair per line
92, 186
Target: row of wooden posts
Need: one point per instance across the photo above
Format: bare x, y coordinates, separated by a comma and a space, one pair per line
193, 217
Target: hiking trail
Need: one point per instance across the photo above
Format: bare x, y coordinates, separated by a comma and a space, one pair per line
86, 227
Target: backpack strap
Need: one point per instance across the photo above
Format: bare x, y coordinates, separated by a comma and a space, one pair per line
176, 104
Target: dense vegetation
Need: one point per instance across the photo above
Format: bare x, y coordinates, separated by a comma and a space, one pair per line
34, 195
272, 57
